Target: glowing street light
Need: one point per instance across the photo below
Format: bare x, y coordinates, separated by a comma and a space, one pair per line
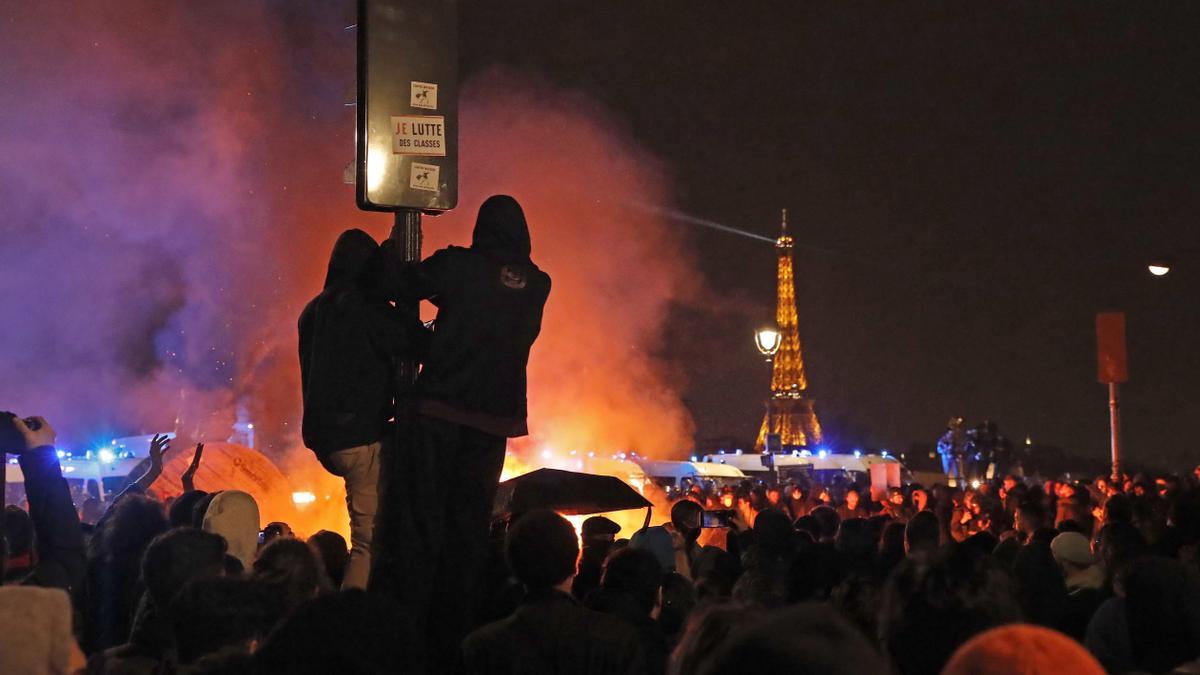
767, 340
1159, 268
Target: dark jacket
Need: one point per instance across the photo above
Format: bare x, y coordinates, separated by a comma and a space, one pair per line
625, 607
551, 633
490, 299
348, 335
61, 559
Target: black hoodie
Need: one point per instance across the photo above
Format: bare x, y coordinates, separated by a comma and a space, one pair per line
490, 299
347, 338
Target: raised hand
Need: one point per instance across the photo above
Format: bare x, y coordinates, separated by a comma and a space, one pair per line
36, 435
188, 476
158, 447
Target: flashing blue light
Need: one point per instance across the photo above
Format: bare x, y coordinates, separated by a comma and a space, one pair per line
858, 453
795, 453
721, 451
61, 454
822, 453
805, 453
883, 453
106, 456
693, 458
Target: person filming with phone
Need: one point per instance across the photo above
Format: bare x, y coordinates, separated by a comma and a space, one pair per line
59, 553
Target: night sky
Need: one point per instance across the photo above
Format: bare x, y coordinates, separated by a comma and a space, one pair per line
969, 183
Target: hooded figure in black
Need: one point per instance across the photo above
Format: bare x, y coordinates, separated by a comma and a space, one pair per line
470, 397
348, 336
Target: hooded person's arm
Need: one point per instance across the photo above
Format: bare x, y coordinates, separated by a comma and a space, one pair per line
410, 282
394, 334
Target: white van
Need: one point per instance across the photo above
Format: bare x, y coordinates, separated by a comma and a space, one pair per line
682, 475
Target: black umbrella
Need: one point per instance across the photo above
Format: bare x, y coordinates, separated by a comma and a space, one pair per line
566, 492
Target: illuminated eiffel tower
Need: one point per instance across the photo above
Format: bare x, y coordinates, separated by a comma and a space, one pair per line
790, 411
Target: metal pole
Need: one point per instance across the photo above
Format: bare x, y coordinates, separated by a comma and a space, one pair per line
406, 233
1114, 420
386, 579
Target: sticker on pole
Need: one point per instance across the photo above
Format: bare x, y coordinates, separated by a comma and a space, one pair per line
423, 95
424, 177
419, 135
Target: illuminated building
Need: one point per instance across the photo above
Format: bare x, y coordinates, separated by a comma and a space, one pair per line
790, 412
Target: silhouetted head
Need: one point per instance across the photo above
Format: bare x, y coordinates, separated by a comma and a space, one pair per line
827, 521
334, 554
133, 522
181, 513
293, 571
635, 573
810, 638
932, 606
178, 556
686, 516
354, 256
218, 614
542, 550
922, 532
705, 633
501, 228
18, 530
1162, 607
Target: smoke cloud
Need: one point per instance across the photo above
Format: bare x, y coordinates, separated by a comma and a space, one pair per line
170, 188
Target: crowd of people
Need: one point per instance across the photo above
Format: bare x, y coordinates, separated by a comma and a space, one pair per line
1006, 577
1060, 576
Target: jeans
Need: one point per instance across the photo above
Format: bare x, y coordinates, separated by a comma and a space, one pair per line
359, 466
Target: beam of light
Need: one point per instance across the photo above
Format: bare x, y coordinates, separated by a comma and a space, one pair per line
686, 218
694, 220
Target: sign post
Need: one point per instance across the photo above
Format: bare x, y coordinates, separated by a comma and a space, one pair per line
1112, 369
406, 163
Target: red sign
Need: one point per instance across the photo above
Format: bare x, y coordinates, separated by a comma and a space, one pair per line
1110, 348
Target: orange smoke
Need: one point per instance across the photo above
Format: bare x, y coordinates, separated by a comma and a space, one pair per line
211, 142
595, 382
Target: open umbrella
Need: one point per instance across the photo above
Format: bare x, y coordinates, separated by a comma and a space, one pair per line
566, 492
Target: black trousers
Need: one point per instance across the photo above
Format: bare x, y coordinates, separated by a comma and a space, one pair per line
432, 531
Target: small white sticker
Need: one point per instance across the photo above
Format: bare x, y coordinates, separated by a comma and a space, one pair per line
423, 95
424, 177
420, 135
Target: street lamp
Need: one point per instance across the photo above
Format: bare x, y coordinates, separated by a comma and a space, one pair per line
767, 340
1159, 268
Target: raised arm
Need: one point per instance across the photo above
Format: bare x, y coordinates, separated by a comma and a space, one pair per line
189, 476
61, 558
159, 445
